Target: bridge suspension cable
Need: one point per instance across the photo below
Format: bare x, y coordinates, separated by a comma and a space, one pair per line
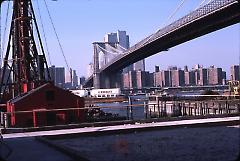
202, 3
2, 43
115, 49
175, 11
114, 53
59, 43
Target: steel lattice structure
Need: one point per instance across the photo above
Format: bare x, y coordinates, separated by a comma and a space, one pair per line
24, 63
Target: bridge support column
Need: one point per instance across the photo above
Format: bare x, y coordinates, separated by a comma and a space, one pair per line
110, 80
96, 71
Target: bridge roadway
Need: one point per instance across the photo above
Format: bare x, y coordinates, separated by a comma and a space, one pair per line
211, 17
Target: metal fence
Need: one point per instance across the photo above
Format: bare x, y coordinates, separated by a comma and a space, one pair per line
143, 110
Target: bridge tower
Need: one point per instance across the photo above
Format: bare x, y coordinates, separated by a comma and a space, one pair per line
23, 65
104, 80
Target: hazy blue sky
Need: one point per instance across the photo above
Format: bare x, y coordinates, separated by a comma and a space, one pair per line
81, 22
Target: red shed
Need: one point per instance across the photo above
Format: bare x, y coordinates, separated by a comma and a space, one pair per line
45, 105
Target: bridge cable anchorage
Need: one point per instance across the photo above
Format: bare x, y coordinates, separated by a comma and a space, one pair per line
168, 19
59, 43
2, 43
44, 34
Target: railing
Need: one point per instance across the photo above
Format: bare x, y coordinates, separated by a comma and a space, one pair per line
143, 110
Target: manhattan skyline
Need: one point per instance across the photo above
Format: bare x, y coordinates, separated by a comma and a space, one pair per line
80, 23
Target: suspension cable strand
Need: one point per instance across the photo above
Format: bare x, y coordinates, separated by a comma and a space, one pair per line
209, 1
4, 33
115, 49
55, 31
122, 47
114, 53
44, 34
1, 55
200, 4
175, 11
5, 63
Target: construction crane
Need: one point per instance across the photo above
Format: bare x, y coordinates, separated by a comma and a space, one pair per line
23, 65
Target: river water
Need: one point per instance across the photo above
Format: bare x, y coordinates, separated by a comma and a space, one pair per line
122, 109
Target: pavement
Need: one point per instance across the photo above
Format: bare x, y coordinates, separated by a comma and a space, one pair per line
29, 149
186, 139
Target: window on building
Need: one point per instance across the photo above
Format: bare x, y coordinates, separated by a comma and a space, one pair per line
50, 95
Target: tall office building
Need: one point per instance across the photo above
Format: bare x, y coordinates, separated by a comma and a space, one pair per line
82, 80
139, 66
57, 75
74, 79
235, 72
71, 79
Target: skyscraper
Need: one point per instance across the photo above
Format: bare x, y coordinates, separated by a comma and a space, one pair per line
235, 72
57, 75
71, 79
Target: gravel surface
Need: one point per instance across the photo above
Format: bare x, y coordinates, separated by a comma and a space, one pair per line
182, 144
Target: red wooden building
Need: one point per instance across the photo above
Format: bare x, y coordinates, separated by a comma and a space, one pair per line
45, 105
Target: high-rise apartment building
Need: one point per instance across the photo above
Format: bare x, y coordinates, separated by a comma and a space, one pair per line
177, 78
214, 76
142, 79
203, 77
189, 78
137, 79
162, 79
158, 80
